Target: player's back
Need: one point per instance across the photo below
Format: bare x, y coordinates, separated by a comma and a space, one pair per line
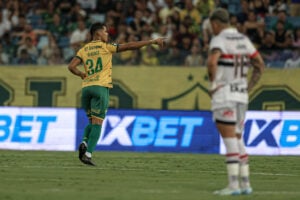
236, 52
96, 57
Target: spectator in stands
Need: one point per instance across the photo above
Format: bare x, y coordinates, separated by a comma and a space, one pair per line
31, 50
148, 53
204, 7
103, 6
50, 53
183, 32
48, 12
9, 46
25, 58
133, 18
92, 5
4, 57
65, 6
261, 8
175, 17
296, 37
56, 57
29, 32
282, 36
282, 17
191, 11
269, 50
79, 35
279, 6
137, 22
185, 46
58, 29
165, 31
293, 62
295, 8
117, 12
194, 59
155, 5
168, 10
20, 26
235, 23
173, 56
253, 29
5, 25
243, 14
77, 12
12, 12
206, 34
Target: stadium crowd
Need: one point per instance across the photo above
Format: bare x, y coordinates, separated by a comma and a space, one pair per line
47, 32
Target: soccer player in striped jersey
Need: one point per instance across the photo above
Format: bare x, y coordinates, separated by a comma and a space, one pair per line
230, 55
96, 57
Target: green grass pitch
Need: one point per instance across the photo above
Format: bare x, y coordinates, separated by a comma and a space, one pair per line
39, 175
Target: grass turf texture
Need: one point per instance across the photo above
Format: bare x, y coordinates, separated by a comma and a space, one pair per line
128, 176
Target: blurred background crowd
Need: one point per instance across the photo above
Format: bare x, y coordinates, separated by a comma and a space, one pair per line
48, 32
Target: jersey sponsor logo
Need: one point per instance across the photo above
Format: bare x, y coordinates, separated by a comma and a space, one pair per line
228, 113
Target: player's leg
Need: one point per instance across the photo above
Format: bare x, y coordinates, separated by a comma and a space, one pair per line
86, 105
225, 120
99, 105
244, 158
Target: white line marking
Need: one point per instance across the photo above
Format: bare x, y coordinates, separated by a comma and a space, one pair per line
139, 169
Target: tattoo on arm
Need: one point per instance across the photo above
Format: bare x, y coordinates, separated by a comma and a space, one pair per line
258, 65
212, 63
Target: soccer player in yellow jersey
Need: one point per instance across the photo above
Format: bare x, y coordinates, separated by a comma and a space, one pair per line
96, 57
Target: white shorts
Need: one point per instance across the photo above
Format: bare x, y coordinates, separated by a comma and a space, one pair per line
233, 114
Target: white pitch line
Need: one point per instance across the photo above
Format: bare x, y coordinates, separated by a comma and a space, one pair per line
136, 169
276, 192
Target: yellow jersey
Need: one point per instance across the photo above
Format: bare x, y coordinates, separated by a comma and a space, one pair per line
96, 57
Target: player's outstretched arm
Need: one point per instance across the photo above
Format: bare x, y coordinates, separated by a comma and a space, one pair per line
258, 67
73, 68
136, 45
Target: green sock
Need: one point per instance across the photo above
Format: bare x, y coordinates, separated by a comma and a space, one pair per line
87, 131
94, 137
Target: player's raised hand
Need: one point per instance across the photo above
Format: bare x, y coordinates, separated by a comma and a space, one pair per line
161, 42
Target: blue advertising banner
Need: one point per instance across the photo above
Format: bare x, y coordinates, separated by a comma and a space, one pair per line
155, 131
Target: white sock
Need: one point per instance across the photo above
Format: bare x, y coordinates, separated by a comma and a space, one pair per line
244, 165
232, 161
241, 146
88, 154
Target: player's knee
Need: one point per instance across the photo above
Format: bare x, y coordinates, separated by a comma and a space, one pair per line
238, 135
97, 121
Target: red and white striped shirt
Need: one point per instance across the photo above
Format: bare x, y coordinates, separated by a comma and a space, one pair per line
233, 65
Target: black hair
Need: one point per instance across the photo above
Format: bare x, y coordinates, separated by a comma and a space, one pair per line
96, 26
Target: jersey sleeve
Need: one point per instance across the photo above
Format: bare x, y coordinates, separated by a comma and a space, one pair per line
252, 51
79, 55
217, 43
113, 48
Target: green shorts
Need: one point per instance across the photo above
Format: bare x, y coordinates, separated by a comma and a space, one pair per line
95, 100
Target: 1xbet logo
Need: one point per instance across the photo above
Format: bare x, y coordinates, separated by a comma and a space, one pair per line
259, 130
166, 131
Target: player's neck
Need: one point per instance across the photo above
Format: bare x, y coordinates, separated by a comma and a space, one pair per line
223, 27
95, 38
